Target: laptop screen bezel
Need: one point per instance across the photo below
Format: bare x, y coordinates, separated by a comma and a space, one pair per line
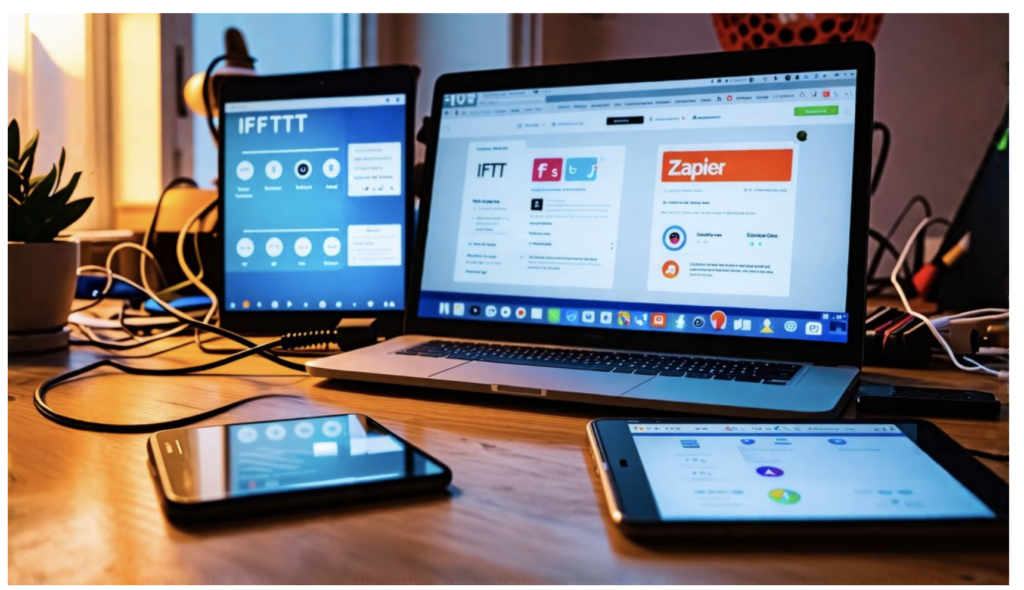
852, 56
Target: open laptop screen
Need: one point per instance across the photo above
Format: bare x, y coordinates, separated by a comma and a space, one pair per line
716, 206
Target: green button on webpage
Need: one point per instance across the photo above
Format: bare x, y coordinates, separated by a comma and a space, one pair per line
815, 111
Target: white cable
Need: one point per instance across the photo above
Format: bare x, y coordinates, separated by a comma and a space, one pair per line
906, 305
147, 254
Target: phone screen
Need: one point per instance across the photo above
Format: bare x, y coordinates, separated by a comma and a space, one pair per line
221, 462
796, 472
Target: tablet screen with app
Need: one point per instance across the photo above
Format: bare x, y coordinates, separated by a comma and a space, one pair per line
733, 472
315, 204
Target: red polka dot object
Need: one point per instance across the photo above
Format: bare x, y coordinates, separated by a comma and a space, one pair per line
758, 31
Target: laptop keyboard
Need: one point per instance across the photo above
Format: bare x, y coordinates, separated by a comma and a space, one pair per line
610, 362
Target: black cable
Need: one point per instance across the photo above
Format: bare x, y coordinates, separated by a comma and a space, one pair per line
206, 97
288, 342
78, 424
886, 245
145, 239
150, 235
988, 455
883, 154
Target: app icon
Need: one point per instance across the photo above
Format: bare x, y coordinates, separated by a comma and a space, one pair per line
547, 169
698, 322
581, 169
332, 246
303, 247
506, 311
813, 328
741, 325
536, 313
588, 317
332, 168
245, 247
554, 315
304, 429
747, 441
769, 472
767, 329
331, 428
244, 170
606, 317
784, 497
247, 434
624, 318
491, 311
474, 310
273, 169
459, 309
571, 315
640, 319
718, 320
670, 269
444, 308
275, 432
520, 313
674, 238
790, 326
274, 247
303, 169
680, 323
659, 320
837, 441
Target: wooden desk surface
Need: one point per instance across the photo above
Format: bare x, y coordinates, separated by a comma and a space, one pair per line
526, 506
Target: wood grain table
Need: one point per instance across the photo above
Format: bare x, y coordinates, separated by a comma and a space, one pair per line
525, 504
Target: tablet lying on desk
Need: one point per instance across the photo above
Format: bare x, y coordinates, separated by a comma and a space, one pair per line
712, 477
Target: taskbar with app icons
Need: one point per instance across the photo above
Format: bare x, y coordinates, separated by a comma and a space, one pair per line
723, 321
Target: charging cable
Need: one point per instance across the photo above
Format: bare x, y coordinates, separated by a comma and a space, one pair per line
998, 313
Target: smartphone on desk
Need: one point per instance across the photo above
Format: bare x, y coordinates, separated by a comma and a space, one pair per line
260, 468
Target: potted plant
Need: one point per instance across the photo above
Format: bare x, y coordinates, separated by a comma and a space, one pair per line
42, 265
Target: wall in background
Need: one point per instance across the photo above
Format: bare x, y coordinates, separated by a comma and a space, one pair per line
940, 86
442, 43
50, 87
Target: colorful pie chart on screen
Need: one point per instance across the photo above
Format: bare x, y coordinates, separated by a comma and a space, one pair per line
785, 497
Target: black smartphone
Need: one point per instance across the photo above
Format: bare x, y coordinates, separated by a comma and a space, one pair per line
714, 478
260, 467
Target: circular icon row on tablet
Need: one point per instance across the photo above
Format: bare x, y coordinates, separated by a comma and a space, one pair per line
275, 247
277, 432
274, 169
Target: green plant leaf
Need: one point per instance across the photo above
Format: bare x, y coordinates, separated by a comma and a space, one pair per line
28, 156
52, 227
15, 184
13, 141
60, 168
63, 195
44, 187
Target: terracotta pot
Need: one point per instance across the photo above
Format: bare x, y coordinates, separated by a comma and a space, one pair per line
41, 281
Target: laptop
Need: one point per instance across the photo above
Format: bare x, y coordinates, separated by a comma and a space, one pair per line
684, 233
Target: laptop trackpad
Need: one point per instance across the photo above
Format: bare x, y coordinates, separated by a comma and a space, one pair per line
527, 380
